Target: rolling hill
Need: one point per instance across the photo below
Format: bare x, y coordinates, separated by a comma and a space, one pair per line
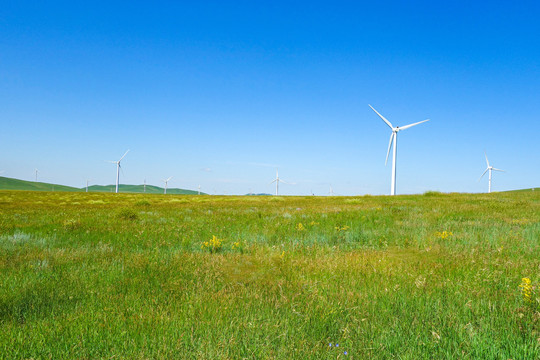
16, 184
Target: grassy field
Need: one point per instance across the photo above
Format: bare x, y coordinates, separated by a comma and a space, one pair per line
433, 276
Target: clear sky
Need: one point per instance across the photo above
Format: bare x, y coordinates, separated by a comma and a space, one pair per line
220, 93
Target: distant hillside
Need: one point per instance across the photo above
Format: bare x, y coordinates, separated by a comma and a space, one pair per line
16, 184
150, 189
524, 190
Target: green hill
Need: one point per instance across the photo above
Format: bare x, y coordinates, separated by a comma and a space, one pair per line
16, 184
150, 189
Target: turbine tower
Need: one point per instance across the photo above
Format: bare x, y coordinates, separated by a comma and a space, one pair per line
277, 180
393, 137
118, 169
199, 192
144, 186
87, 180
36, 171
490, 168
166, 181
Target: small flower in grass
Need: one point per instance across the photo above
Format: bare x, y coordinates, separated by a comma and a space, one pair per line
330, 344
526, 290
213, 245
345, 353
300, 227
443, 235
337, 345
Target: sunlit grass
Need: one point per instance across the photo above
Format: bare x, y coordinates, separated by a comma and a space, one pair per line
129, 276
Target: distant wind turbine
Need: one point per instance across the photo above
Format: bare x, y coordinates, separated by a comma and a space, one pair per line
277, 180
118, 169
166, 181
144, 186
87, 180
36, 171
490, 168
393, 136
199, 192
331, 192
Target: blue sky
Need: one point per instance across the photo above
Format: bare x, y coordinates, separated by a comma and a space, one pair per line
221, 93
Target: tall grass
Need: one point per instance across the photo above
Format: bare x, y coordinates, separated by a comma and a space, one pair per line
407, 277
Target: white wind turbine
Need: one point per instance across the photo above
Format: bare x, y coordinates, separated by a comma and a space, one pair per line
87, 181
490, 168
393, 136
166, 181
36, 171
199, 192
277, 180
118, 169
331, 192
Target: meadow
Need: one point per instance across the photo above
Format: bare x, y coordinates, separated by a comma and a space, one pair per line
133, 276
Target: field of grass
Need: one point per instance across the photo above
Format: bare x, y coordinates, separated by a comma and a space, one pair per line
434, 276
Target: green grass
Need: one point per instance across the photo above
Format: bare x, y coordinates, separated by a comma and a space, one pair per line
128, 276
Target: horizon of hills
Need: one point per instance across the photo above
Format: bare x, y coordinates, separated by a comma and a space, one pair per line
7, 183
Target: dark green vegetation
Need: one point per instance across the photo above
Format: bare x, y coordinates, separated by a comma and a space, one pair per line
431, 276
16, 184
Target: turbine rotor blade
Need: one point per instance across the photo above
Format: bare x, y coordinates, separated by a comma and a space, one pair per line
123, 155
382, 117
389, 146
411, 125
273, 181
498, 169
487, 161
484, 173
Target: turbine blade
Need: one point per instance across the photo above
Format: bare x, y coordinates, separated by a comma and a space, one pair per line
411, 125
123, 155
487, 161
169, 178
484, 173
273, 181
389, 146
382, 117
288, 183
497, 169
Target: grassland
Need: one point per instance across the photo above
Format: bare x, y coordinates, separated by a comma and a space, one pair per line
434, 276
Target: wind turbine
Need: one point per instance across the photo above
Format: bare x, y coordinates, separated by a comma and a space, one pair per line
118, 169
36, 171
144, 186
490, 168
331, 192
87, 180
166, 181
393, 136
277, 180
199, 192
